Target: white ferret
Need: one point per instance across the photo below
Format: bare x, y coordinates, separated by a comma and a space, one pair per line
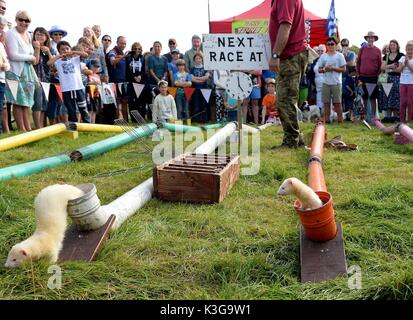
51, 223
308, 198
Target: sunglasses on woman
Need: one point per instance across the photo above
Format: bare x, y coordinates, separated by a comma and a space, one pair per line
23, 20
331, 44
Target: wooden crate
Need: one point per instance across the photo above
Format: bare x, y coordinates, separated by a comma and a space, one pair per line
196, 178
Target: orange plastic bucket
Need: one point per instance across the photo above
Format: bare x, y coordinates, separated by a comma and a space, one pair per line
319, 224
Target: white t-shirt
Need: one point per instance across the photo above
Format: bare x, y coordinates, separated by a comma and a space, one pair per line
406, 76
337, 61
70, 76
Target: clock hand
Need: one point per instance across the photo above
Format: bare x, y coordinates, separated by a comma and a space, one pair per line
239, 84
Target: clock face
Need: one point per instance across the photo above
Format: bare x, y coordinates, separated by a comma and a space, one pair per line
239, 86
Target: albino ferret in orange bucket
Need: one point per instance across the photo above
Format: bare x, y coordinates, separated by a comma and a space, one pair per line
308, 198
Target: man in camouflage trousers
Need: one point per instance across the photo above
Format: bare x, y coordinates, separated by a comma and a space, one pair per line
289, 60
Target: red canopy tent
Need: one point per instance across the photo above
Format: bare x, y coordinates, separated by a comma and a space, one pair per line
315, 24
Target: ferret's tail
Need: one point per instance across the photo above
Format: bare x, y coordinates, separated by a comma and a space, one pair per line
51, 207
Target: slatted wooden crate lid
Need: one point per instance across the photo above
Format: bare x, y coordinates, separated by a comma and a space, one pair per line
196, 178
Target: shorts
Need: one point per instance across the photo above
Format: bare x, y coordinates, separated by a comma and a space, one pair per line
122, 91
332, 92
40, 101
255, 94
93, 104
372, 80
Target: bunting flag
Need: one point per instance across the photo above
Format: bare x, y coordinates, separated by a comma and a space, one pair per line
120, 88
370, 88
189, 92
138, 89
172, 91
387, 88
59, 91
332, 21
115, 89
46, 89
207, 94
13, 86
92, 88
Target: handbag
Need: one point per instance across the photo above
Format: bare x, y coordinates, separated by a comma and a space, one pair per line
384, 77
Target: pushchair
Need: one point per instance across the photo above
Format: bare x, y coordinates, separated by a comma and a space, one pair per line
359, 109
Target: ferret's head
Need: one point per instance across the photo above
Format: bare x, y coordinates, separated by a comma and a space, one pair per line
287, 187
17, 257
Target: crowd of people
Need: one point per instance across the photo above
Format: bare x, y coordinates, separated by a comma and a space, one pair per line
361, 85
46, 80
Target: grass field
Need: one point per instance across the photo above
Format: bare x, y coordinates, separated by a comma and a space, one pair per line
244, 248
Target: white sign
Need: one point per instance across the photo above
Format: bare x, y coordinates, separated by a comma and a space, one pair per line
236, 51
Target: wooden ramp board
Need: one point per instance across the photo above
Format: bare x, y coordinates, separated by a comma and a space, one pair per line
321, 261
84, 246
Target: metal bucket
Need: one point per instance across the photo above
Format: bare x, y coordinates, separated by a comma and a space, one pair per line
85, 211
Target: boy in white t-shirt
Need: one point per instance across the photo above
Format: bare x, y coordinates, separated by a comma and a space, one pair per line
68, 67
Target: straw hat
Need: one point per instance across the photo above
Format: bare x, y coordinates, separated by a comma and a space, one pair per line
371, 34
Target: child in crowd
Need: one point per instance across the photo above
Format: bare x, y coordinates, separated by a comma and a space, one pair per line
109, 108
69, 69
164, 107
182, 79
41, 39
269, 110
199, 78
231, 108
92, 93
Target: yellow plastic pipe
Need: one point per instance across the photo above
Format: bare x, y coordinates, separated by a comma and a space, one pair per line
87, 127
29, 137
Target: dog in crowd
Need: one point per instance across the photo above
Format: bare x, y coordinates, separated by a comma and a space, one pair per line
310, 112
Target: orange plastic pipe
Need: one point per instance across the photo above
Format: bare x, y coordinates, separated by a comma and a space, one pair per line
316, 179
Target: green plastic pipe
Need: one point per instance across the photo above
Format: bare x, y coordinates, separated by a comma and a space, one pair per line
29, 168
183, 128
101, 147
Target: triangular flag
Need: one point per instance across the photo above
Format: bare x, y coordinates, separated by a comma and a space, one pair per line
189, 92
172, 91
370, 88
46, 89
207, 94
115, 90
14, 87
92, 90
138, 89
387, 88
59, 91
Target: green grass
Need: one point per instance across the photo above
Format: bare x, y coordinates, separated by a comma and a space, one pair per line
244, 248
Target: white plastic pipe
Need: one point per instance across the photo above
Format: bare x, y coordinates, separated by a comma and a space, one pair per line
129, 203
265, 126
217, 139
249, 129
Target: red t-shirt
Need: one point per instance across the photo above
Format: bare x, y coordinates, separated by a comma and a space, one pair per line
292, 12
